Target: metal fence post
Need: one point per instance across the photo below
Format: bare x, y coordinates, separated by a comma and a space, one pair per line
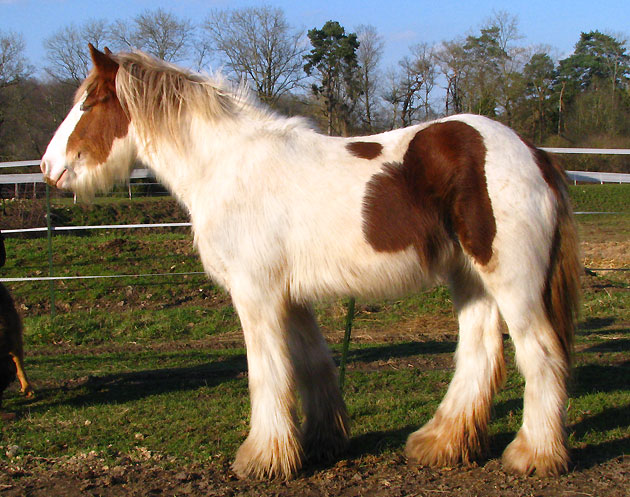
346, 343
51, 284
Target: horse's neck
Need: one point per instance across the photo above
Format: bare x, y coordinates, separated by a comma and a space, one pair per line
211, 154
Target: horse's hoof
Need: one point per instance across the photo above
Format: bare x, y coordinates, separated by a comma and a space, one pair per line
274, 459
521, 458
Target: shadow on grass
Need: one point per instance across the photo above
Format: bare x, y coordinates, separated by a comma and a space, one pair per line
593, 454
600, 326
593, 378
378, 442
620, 345
610, 419
124, 387
397, 350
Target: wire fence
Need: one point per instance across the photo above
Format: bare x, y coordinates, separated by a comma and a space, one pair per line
138, 178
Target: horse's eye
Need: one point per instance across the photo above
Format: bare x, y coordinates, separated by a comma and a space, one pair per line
85, 107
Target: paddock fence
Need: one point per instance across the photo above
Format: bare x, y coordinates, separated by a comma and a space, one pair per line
20, 185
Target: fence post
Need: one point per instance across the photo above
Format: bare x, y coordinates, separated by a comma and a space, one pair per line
51, 285
346, 343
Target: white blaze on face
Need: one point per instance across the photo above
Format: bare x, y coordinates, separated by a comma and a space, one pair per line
55, 165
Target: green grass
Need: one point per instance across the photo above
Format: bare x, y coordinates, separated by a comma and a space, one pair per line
125, 366
94, 327
601, 198
192, 405
174, 404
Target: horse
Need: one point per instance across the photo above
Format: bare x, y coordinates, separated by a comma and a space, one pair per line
282, 216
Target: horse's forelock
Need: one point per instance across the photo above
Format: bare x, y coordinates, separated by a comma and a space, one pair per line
86, 86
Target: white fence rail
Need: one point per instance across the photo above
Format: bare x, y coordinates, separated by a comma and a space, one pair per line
22, 178
575, 176
141, 173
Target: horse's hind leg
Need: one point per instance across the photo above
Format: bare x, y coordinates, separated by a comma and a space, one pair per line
540, 444
458, 431
325, 431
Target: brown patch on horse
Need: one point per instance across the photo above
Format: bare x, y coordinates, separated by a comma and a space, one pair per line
365, 150
104, 119
551, 172
435, 198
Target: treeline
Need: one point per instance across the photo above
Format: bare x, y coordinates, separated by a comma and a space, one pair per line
337, 77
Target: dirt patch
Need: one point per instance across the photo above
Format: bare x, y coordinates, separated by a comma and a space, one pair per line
606, 254
143, 474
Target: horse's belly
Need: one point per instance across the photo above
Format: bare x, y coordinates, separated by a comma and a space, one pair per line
369, 274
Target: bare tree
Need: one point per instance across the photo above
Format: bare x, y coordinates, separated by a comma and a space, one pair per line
14, 71
157, 32
67, 53
13, 64
201, 52
258, 46
410, 88
369, 55
392, 94
511, 65
452, 60
424, 64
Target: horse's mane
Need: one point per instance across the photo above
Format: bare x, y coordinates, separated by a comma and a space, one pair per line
160, 97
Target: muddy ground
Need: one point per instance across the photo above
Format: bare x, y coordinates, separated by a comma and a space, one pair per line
364, 475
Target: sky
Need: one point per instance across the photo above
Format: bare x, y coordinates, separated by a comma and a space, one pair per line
401, 23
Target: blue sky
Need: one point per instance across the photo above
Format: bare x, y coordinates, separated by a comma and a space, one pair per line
401, 22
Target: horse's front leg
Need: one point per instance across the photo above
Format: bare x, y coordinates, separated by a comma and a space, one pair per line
273, 447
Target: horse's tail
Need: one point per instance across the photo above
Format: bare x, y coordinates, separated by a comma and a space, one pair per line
562, 284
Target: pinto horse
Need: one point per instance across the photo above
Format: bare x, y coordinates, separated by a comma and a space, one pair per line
283, 215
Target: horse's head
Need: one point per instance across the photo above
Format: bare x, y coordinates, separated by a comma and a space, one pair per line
93, 148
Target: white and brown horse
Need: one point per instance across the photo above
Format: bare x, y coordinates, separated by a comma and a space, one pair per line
283, 215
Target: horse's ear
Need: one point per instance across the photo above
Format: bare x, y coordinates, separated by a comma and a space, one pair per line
104, 64
107, 51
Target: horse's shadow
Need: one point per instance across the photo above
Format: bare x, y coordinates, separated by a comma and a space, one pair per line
399, 350
119, 388
129, 386
592, 325
587, 379
593, 378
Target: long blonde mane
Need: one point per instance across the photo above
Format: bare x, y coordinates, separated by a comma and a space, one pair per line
161, 98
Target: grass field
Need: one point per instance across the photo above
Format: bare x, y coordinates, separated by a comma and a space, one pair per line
138, 370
